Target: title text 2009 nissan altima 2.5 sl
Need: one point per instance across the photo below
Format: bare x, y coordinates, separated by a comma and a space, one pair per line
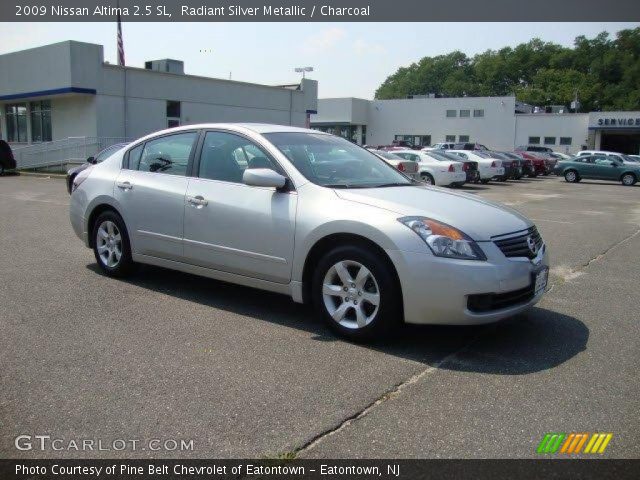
313, 216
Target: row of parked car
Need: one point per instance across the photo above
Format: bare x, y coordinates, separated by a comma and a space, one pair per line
455, 167
454, 164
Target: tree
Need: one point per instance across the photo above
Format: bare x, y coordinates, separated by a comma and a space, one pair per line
604, 71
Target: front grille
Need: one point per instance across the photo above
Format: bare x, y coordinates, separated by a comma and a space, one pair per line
487, 302
518, 246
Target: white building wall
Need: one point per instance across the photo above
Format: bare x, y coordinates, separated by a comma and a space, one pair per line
73, 116
574, 126
428, 116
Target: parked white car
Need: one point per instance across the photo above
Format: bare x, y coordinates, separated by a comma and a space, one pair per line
409, 168
617, 155
435, 172
488, 167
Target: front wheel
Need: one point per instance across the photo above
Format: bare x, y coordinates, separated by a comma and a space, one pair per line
571, 176
356, 293
484, 181
111, 245
628, 179
427, 178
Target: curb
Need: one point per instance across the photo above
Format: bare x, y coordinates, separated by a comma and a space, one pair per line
42, 175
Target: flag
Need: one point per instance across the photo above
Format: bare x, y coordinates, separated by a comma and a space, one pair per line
120, 43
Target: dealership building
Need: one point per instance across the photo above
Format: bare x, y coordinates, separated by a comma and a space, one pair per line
65, 92
500, 123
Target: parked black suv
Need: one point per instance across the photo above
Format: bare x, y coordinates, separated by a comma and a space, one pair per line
469, 146
533, 148
7, 162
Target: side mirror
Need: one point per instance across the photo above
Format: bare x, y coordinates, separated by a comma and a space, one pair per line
263, 177
91, 160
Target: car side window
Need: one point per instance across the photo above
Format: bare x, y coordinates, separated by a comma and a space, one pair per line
169, 154
225, 156
134, 157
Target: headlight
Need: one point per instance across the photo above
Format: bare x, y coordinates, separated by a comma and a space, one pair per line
443, 239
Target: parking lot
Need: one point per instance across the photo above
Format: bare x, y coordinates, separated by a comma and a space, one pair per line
245, 373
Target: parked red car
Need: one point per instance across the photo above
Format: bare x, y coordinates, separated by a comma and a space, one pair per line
538, 163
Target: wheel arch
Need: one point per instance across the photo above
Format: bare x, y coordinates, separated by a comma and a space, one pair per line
96, 211
629, 172
329, 242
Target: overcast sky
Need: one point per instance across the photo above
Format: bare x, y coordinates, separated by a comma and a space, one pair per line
350, 59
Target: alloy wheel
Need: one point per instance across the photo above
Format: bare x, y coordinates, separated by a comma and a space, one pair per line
427, 179
109, 244
351, 294
628, 180
570, 176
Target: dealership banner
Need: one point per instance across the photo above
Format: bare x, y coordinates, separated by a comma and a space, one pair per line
317, 10
318, 469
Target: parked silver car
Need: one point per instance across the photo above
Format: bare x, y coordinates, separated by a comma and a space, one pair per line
313, 216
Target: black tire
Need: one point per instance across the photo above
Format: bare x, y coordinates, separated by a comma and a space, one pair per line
628, 179
125, 264
571, 176
389, 309
484, 181
427, 178
1, 170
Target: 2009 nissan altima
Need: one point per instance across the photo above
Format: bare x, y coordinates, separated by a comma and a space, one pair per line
313, 216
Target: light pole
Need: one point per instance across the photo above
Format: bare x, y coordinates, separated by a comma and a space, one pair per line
303, 70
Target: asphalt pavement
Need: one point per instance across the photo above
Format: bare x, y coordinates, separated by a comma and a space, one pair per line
243, 373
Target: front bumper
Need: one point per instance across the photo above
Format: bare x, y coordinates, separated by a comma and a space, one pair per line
436, 290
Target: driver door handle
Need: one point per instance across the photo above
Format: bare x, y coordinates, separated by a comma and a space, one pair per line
124, 185
197, 201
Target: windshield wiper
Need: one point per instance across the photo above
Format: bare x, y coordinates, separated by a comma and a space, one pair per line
396, 184
347, 185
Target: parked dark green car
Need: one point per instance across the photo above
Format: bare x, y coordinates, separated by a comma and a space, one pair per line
598, 167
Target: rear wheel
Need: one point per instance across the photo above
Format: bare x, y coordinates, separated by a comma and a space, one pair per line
427, 178
571, 176
484, 181
111, 245
355, 292
628, 179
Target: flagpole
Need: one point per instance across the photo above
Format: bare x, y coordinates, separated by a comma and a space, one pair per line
121, 62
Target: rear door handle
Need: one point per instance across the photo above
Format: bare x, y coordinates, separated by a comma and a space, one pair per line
197, 201
124, 185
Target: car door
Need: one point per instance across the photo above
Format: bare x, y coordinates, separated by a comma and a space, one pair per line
603, 167
233, 227
151, 191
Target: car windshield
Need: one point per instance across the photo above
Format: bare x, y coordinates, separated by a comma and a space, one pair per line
482, 154
334, 162
628, 158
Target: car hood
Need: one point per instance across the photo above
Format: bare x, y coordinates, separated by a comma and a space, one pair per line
479, 218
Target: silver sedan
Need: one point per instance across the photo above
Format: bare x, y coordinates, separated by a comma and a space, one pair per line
313, 216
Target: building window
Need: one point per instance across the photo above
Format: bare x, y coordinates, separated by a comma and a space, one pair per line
41, 121
534, 140
565, 140
16, 122
463, 138
364, 134
465, 113
451, 113
478, 113
549, 140
173, 114
450, 138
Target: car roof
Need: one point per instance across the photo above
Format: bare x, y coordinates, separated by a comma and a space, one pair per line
260, 128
